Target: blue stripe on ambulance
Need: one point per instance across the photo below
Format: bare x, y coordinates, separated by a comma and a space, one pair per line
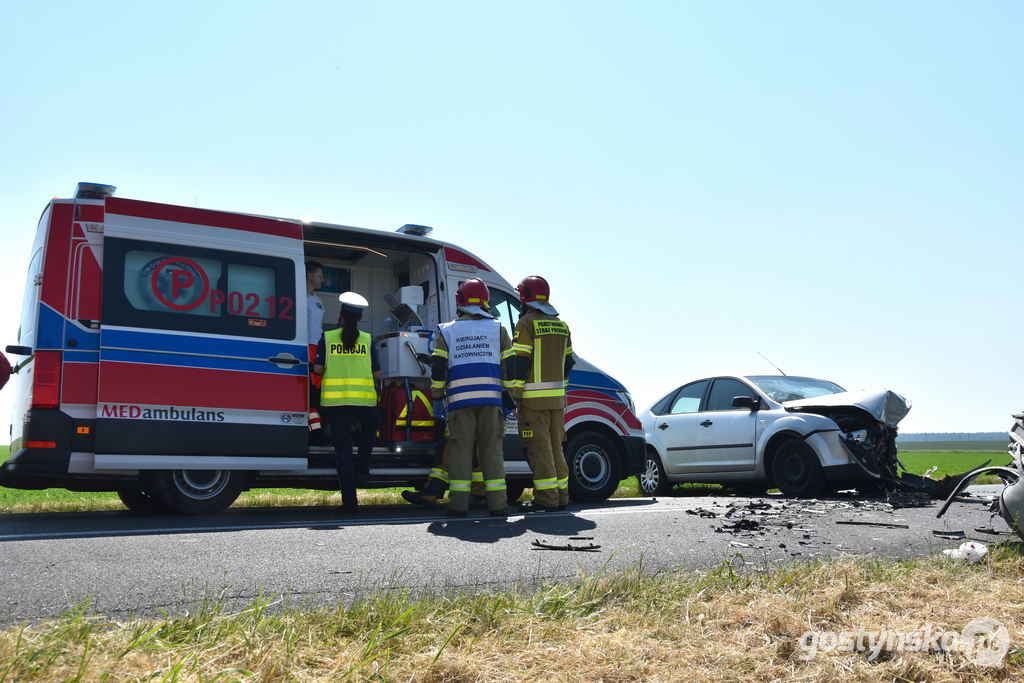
190, 344
201, 361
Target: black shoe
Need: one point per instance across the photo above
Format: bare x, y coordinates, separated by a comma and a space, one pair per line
501, 512
420, 498
449, 512
531, 506
476, 503
563, 507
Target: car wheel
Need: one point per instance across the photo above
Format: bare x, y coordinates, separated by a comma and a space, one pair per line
514, 489
140, 501
197, 492
653, 480
797, 472
594, 467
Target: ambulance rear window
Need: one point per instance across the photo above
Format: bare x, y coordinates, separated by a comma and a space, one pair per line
176, 287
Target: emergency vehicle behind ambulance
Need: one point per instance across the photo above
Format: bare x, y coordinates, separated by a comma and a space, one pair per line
163, 354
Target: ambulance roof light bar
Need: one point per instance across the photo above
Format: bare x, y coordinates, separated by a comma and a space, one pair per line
417, 230
94, 191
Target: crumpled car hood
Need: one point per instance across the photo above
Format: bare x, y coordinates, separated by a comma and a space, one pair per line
886, 406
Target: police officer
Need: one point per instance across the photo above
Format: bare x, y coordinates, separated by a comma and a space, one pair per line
473, 360
349, 365
543, 352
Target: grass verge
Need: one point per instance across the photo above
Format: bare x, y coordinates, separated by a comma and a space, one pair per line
722, 624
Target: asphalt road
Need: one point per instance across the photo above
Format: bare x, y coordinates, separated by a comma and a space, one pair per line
126, 564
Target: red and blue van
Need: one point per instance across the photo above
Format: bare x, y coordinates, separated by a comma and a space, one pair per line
163, 354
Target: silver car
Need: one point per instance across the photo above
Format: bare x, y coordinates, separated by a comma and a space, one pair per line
797, 434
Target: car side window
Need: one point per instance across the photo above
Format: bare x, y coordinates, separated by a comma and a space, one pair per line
688, 398
723, 391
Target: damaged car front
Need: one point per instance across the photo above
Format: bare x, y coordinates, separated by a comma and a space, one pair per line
867, 427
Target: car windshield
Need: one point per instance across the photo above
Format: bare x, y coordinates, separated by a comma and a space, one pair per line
783, 389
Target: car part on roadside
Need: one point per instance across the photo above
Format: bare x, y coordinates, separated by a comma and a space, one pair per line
1010, 504
540, 545
972, 551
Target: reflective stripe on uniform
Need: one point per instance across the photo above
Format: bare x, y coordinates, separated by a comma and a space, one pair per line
438, 473
563, 483
494, 484
545, 484
471, 381
459, 485
478, 476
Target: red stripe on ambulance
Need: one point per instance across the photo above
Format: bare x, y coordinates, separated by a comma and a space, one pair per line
169, 385
217, 219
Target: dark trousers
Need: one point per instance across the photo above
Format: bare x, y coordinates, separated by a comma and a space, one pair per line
342, 419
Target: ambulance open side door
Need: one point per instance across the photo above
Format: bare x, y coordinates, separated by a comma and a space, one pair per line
202, 340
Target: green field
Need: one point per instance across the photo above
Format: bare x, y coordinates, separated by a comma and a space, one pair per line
953, 446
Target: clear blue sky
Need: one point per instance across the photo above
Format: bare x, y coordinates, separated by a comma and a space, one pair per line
838, 186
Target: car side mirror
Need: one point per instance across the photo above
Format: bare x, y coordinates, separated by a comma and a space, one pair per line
746, 402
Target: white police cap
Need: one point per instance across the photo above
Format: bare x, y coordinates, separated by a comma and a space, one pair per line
352, 302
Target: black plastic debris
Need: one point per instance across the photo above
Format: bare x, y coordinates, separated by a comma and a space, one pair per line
903, 499
951, 535
740, 525
884, 525
702, 513
540, 545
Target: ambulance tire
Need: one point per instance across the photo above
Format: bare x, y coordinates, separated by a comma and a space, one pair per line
595, 468
197, 492
797, 472
514, 488
141, 502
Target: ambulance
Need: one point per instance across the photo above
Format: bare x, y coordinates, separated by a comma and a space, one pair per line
163, 355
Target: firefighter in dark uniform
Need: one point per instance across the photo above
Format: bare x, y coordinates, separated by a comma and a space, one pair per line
543, 351
347, 360
473, 361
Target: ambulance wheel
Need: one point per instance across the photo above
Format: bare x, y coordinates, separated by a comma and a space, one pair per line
594, 467
514, 489
197, 492
653, 481
140, 501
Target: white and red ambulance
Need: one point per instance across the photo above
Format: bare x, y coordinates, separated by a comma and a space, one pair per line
163, 354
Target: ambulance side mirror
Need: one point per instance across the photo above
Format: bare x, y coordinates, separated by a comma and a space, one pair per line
746, 402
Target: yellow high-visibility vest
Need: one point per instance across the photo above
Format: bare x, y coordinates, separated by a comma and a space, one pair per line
348, 375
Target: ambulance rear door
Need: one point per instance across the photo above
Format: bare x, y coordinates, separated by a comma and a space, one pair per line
202, 340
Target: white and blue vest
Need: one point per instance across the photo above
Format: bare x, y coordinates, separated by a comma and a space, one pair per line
474, 362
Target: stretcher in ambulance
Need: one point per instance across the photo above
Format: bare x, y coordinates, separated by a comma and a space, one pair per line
162, 354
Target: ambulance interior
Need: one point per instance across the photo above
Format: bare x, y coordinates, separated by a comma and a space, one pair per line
401, 287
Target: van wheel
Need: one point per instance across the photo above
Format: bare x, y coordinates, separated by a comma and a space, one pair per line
594, 467
140, 501
514, 489
197, 492
796, 470
653, 481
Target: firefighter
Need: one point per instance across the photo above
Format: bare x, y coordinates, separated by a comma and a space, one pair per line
348, 362
543, 352
433, 491
473, 360
315, 330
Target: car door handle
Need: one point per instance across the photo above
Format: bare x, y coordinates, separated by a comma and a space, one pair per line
287, 360
706, 423
663, 426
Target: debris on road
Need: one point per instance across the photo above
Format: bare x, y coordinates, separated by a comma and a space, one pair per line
886, 525
950, 535
901, 499
540, 545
